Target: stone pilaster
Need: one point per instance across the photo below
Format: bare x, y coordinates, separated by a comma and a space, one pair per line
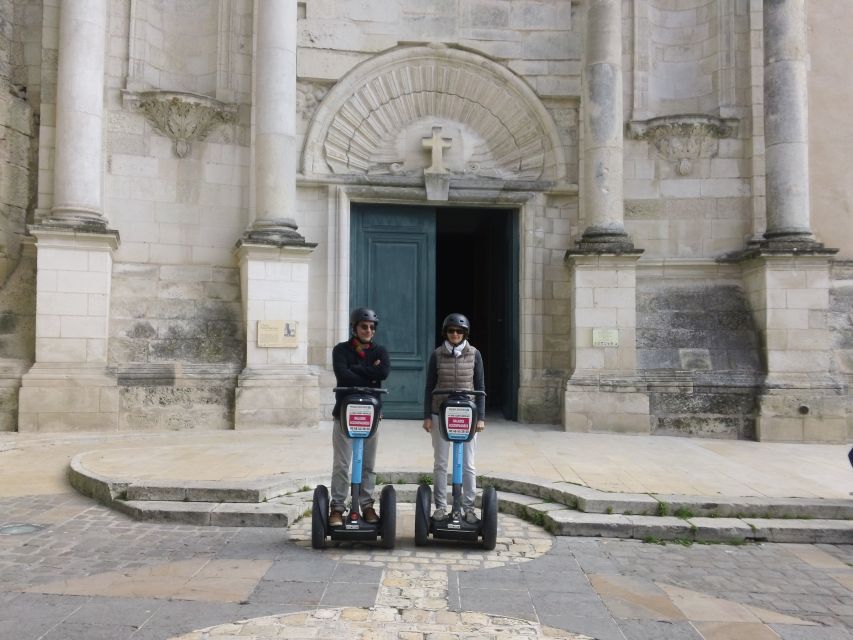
70, 387
603, 131
276, 388
602, 393
800, 401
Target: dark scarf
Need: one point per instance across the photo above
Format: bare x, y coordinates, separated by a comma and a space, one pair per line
359, 348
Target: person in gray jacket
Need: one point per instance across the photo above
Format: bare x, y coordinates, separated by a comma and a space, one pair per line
455, 364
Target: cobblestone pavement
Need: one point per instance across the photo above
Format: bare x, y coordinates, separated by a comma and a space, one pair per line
95, 574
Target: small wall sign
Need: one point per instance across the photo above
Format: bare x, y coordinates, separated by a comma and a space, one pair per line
605, 337
277, 333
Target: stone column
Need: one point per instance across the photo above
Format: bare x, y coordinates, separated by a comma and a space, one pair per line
786, 275
277, 388
70, 386
78, 163
786, 124
602, 393
275, 123
603, 130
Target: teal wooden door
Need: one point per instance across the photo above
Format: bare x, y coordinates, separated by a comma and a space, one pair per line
393, 272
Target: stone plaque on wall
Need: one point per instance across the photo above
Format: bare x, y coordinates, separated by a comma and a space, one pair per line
277, 333
605, 337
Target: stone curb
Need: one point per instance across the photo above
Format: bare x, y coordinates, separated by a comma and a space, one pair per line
562, 508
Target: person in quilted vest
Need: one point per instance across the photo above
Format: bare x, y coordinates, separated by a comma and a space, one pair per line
357, 362
455, 364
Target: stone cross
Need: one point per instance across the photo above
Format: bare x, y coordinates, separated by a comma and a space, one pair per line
437, 144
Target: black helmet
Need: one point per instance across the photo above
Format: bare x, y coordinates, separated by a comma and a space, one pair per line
362, 314
455, 320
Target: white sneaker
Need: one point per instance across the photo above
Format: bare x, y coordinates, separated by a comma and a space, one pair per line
440, 514
471, 517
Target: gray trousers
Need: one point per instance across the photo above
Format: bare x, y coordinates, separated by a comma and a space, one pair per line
442, 453
341, 462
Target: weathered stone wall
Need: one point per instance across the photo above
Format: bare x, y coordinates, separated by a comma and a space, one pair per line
19, 55
700, 349
177, 342
841, 330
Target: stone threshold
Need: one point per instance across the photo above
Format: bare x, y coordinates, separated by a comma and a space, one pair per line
562, 508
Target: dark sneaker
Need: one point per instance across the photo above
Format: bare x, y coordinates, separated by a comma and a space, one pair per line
471, 517
439, 514
336, 518
369, 515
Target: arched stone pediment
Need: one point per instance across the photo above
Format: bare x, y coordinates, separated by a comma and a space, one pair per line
375, 119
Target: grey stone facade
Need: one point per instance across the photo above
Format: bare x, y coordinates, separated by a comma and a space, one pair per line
656, 156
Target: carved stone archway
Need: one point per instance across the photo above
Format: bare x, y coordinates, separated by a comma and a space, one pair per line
374, 120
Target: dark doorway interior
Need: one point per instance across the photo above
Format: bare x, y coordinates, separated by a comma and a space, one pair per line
477, 274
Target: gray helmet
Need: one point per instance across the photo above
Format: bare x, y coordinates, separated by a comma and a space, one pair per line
455, 320
362, 314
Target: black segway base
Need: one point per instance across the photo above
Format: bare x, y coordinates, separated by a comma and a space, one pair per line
455, 528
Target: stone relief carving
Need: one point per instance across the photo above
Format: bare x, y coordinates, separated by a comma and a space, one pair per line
683, 139
183, 117
308, 96
373, 122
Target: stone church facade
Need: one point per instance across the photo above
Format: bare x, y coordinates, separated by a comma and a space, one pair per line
195, 193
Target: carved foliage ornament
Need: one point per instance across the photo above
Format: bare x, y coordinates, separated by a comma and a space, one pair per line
683, 139
184, 117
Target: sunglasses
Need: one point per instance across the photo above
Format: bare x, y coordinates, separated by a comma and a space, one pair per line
460, 332
366, 327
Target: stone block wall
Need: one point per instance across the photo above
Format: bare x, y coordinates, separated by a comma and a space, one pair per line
840, 322
699, 349
177, 343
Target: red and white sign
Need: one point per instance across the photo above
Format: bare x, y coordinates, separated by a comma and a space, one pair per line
359, 420
458, 421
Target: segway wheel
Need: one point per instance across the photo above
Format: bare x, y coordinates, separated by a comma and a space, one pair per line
422, 503
490, 518
388, 509
319, 517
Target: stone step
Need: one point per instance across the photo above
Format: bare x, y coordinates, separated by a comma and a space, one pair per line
557, 518
575, 496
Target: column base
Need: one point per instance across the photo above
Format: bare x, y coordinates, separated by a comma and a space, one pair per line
609, 241
800, 411
280, 232
272, 397
68, 397
605, 404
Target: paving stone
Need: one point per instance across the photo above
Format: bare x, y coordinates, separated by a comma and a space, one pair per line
503, 602
658, 630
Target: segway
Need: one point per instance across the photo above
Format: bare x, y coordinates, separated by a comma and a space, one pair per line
457, 419
359, 420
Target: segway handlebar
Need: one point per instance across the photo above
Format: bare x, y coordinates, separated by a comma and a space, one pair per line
360, 390
458, 392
